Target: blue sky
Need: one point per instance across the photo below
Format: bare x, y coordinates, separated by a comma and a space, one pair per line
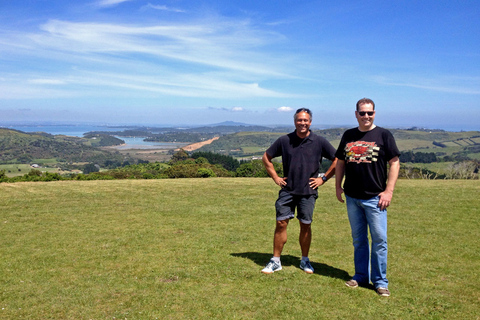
201, 62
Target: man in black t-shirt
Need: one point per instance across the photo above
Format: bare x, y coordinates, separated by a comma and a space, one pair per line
301, 152
363, 155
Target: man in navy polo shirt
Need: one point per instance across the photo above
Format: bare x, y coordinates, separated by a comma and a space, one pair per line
301, 152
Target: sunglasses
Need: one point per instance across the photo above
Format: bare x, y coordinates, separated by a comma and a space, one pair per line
362, 113
304, 110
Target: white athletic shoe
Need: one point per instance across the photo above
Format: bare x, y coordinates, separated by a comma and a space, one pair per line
271, 267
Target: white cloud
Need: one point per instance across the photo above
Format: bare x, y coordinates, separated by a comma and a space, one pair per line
163, 8
448, 84
175, 59
23, 91
285, 109
205, 44
109, 3
46, 81
237, 109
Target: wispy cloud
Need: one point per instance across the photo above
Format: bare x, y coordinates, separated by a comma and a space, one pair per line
233, 109
162, 8
441, 88
278, 23
204, 44
217, 60
109, 3
46, 81
447, 84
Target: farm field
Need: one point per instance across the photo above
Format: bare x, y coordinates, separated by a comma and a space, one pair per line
194, 248
13, 170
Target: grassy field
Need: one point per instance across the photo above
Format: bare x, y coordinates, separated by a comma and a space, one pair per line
194, 248
13, 170
151, 155
439, 167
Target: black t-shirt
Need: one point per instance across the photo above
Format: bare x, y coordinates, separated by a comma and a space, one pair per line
366, 155
301, 159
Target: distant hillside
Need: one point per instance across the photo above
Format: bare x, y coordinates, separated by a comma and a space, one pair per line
228, 123
242, 143
192, 135
20, 147
235, 139
438, 141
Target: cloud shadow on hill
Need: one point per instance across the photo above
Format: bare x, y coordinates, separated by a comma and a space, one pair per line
288, 260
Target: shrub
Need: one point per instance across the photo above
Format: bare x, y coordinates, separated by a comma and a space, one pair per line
34, 173
179, 156
91, 167
201, 160
3, 176
206, 173
94, 176
255, 168
228, 162
193, 171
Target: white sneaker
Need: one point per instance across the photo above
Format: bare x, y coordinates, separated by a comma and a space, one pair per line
271, 267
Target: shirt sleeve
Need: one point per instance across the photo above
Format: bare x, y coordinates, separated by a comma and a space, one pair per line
340, 154
328, 150
275, 150
391, 151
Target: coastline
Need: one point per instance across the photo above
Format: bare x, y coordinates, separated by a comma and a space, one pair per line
153, 149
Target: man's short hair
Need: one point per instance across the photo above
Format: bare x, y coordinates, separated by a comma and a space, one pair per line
306, 110
363, 101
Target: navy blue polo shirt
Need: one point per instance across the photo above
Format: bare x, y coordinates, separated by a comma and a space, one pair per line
301, 159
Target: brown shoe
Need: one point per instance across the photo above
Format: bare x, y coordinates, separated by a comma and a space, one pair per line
383, 292
351, 283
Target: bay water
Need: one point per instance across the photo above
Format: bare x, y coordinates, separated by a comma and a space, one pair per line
80, 130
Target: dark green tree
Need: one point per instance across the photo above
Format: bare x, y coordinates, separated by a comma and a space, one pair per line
180, 155
88, 168
255, 168
228, 162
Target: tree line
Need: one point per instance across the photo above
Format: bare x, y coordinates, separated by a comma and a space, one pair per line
209, 164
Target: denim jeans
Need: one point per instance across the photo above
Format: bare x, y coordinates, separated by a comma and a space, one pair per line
364, 214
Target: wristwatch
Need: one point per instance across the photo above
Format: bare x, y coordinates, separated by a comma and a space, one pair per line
324, 178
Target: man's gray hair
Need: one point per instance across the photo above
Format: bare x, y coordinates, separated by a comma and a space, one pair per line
310, 113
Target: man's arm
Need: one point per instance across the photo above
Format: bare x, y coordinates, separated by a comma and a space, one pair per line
339, 173
267, 162
386, 196
331, 170
317, 182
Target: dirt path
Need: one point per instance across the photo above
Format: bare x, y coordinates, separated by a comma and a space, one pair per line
198, 145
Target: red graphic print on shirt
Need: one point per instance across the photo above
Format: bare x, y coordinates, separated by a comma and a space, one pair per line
361, 152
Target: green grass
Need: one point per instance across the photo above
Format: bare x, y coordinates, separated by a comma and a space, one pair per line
13, 170
438, 167
414, 144
253, 150
474, 156
194, 248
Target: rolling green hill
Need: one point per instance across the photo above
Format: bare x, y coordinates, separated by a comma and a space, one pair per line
447, 148
20, 147
442, 142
